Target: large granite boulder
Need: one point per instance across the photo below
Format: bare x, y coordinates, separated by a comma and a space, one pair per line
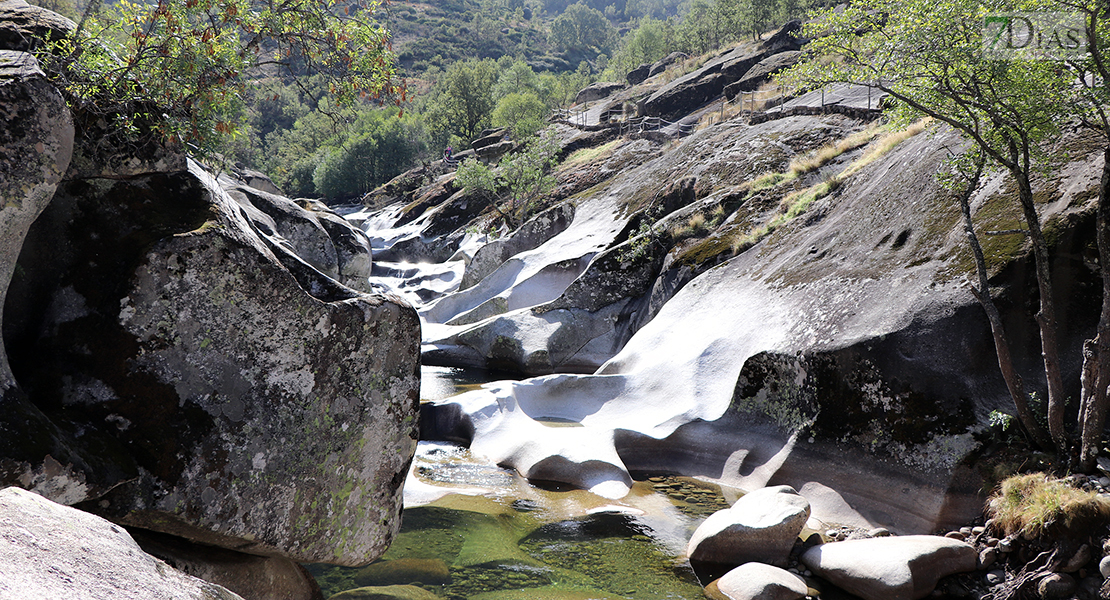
761, 72
639, 74
661, 65
890, 568
757, 581
760, 527
36, 143
693, 90
25, 27
54, 551
262, 406
597, 91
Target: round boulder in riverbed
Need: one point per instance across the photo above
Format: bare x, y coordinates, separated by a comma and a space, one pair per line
892, 568
757, 581
760, 527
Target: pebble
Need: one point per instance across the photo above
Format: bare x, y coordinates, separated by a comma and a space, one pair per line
966, 531
987, 557
978, 530
996, 577
956, 535
1006, 545
992, 541
1104, 567
878, 532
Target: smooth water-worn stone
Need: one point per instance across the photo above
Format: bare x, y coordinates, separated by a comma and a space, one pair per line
760, 527
1104, 567
251, 576
428, 571
894, 568
386, 592
757, 581
54, 551
270, 409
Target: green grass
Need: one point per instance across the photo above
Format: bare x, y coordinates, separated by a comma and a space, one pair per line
1035, 505
798, 202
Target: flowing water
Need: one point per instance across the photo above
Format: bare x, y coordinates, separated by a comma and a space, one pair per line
473, 530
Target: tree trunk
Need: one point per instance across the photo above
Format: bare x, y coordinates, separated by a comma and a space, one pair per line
1001, 345
1092, 410
1046, 316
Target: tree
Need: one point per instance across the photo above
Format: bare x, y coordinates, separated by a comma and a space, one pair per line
649, 41
1092, 112
928, 56
462, 100
523, 113
522, 177
518, 77
379, 147
177, 69
583, 29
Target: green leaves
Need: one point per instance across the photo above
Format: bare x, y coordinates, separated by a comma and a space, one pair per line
177, 69
524, 178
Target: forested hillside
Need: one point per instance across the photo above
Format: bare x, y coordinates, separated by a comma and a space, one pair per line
459, 67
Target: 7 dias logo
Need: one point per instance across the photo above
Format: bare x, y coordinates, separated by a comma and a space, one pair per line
1034, 36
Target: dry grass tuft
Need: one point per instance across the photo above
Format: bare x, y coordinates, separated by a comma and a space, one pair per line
1031, 505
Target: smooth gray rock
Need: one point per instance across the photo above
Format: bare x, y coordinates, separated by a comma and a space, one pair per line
757, 581
760, 527
893, 568
270, 409
54, 551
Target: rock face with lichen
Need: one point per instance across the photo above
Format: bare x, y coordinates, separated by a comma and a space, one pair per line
248, 400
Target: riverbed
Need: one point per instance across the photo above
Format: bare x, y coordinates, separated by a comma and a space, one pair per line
471, 529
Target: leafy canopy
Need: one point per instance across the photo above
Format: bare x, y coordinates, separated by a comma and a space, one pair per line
179, 68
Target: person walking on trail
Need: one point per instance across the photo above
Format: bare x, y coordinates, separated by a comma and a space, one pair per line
447, 154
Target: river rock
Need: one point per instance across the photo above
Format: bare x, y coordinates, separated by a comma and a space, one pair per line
693, 90
269, 409
427, 571
386, 592
757, 581
54, 551
760, 527
250, 576
285, 222
1104, 567
894, 568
